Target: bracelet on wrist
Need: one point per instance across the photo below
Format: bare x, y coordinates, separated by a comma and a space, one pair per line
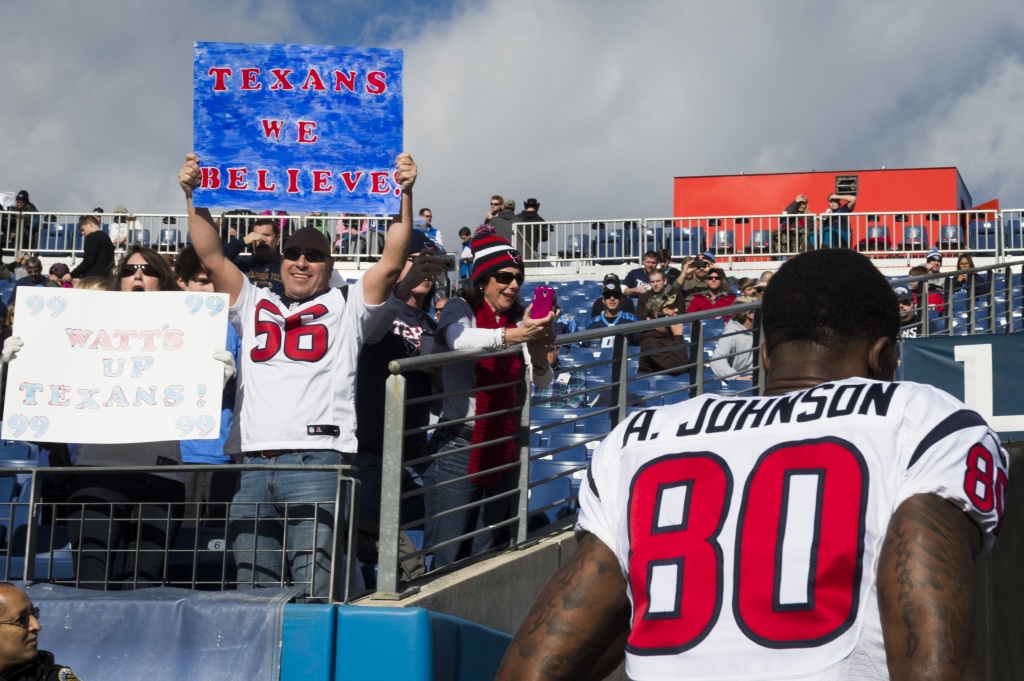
504, 342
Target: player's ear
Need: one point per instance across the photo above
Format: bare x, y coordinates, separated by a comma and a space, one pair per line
882, 359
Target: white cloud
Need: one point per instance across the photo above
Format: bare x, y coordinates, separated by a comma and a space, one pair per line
592, 107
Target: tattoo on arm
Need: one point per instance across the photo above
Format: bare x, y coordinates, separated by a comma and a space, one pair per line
576, 628
926, 590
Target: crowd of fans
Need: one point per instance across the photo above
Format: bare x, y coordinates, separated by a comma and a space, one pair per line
461, 475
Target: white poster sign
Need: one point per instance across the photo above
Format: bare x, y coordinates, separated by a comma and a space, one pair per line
108, 367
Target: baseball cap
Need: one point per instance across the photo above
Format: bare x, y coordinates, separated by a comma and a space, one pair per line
611, 277
531, 203
309, 237
419, 242
709, 256
120, 209
903, 293
611, 287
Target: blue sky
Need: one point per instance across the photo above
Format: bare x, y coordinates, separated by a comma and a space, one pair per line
592, 107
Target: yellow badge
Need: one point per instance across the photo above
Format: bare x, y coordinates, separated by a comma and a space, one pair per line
66, 674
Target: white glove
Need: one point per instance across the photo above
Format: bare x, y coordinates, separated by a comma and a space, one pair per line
221, 356
11, 347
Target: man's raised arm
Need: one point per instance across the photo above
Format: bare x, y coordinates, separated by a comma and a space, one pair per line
225, 276
380, 279
926, 591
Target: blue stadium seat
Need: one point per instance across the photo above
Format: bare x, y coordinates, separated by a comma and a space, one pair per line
587, 440
913, 238
725, 242
950, 238
609, 247
1013, 237
576, 246
575, 453
168, 239
139, 236
15, 451
760, 241
877, 238
545, 470
981, 236
554, 494
689, 241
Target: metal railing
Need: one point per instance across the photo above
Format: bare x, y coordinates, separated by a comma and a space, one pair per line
196, 550
577, 243
622, 393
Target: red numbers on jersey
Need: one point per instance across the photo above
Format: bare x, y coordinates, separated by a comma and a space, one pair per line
301, 340
984, 485
678, 505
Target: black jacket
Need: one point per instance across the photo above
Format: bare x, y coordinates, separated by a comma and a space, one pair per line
42, 669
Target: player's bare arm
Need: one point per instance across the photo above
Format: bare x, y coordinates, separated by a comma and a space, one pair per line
380, 279
578, 625
225, 276
926, 591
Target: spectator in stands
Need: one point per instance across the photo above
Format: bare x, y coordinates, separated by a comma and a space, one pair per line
665, 265
936, 301
793, 231
214, 486
27, 226
657, 284
693, 280
835, 226
20, 657
465, 256
563, 324
297, 410
263, 267
716, 296
747, 287
485, 316
530, 237
234, 222
432, 232
597, 307
566, 387
6, 332
638, 280
408, 333
34, 277
613, 315
964, 282
439, 308
122, 226
910, 313
142, 510
663, 350
933, 261
58, 272
98, 255
733, 357
501, 216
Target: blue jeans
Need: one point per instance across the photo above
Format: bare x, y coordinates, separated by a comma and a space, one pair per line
279, 514
369, 472
459, 494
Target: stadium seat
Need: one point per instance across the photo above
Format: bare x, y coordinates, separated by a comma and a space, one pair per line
556, 495
15, 451
760, 242
608, 247
168, 239
877, 238
587, 440
981, 236
1013, 237
576, 246
541, 471
949, 238
575, 453
689, 241
724, 242
139, 236
913, 238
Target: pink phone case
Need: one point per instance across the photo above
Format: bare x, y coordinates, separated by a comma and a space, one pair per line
543, 301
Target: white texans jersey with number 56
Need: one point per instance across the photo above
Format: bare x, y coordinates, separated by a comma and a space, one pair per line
749, 529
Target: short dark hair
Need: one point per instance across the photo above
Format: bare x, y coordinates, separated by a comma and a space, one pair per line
424, 210
91, 219
187, 265
833, 298
268, 221
650, 254
465, 231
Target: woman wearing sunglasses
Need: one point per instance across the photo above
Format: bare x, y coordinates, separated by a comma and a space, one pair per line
489, 316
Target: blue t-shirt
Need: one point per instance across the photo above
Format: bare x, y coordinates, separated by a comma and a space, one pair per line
212, 451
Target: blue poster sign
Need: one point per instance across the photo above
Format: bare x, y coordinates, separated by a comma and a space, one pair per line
981, 370
297, 127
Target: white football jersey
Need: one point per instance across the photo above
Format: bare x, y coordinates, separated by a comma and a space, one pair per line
296, 383
749, 529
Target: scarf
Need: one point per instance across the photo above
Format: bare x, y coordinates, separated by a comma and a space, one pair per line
489, 372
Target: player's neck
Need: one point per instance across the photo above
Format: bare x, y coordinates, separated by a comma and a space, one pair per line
810, 366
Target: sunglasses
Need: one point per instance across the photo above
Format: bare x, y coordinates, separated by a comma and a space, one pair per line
496, 203
606, 296
714, 279
130, 270
506, 278
22, 620
311, 254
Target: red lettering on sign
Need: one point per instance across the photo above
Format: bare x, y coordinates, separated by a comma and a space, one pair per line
263, 186
250, 80
236, 178
351, 182
293, 180
314, 81
219, 72
281, 76
321, 181
379, 182
375, 84
211, 178
306, 135
272, 128
347, 79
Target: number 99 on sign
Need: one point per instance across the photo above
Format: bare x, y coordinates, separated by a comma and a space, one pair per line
195, 303
19, 425
198, 426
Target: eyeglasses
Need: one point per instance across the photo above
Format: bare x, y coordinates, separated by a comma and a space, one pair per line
130, 270
22, 620
311, 254
505, 278
714, 279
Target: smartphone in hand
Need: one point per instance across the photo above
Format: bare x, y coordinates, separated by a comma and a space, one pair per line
543, 301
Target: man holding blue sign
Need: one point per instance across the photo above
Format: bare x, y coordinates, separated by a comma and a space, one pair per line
296, 385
